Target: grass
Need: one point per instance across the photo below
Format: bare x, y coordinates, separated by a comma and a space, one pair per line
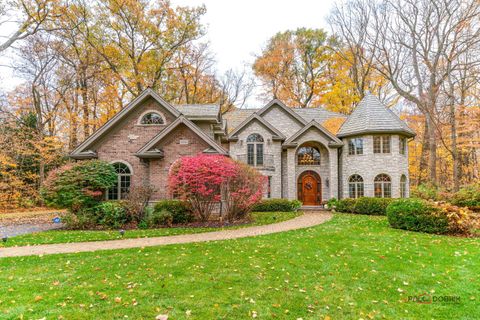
351, 267
66, 236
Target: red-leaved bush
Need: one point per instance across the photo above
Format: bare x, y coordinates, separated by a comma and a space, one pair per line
204, 180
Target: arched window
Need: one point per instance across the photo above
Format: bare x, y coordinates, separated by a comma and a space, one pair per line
355, 186
152, 118
308, 156
383, 186
255, 150
403, 186
122, 187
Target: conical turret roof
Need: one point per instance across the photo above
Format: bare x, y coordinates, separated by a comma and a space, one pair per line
372, 116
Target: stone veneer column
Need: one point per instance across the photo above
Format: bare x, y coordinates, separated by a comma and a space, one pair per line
292, 183
333, 173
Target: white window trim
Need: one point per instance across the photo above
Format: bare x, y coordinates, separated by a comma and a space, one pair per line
131, 174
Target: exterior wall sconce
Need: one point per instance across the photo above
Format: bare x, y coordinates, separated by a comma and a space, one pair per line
327, 182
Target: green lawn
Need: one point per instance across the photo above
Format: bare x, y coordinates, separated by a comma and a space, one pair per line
352, 267
65, 236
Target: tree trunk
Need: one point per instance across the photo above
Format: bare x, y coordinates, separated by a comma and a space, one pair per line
424, 154
432, 150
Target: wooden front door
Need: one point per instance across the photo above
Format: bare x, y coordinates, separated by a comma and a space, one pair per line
310, 193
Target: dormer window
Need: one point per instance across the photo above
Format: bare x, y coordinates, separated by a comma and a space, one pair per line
152, 118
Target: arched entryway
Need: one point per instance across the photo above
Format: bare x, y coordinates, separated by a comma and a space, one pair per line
309, 188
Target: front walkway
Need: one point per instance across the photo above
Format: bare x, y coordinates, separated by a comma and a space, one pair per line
309, 219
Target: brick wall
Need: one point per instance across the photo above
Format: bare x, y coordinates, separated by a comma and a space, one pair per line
173, 150
127, 137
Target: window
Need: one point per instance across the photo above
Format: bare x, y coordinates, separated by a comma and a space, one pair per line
381, 144
120, 190
383, 186
355, 146
402, 145
255, 150
355, 186
403, 186
308, 156
152, 118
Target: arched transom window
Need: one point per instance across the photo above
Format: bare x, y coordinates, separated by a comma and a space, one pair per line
255, 149
152, 118
403, 186
383, 186
308, 156
355, 186
122, 187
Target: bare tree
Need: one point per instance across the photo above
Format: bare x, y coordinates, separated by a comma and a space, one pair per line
414, 44
27, 16
235, 87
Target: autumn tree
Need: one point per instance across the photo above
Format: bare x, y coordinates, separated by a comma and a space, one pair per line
302, 69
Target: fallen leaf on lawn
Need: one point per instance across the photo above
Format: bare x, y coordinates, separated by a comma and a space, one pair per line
38, 298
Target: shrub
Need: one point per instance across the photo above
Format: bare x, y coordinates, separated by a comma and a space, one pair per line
344, 205
363, 205
161, 218
460, 220
81, 220
430, 217
427, 191
179, 210
112, 214
468, 196
201, 180
416, 215
242, 191
277, 205
80, 185
137, 200
373, 206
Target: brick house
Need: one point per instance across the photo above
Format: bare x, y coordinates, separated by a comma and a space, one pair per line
367, 156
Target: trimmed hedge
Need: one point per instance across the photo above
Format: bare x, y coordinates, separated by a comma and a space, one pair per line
416, 215
277, 205
364, 205
180, 211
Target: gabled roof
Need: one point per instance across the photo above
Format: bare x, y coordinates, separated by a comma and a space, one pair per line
148, 93
372, 116
199, 111
147, 152
277, 135
334, 141
274, 102
235, 117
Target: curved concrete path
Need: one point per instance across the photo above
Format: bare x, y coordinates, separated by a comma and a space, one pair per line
309, 219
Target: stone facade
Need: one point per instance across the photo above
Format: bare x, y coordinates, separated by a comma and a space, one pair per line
283, 131
368, 165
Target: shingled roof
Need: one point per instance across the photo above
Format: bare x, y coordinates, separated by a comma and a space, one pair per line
372, 116
199, 110
318, 114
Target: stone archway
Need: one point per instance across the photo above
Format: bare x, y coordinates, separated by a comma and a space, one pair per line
309, 188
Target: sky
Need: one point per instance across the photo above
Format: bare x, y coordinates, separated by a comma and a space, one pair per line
236, 30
